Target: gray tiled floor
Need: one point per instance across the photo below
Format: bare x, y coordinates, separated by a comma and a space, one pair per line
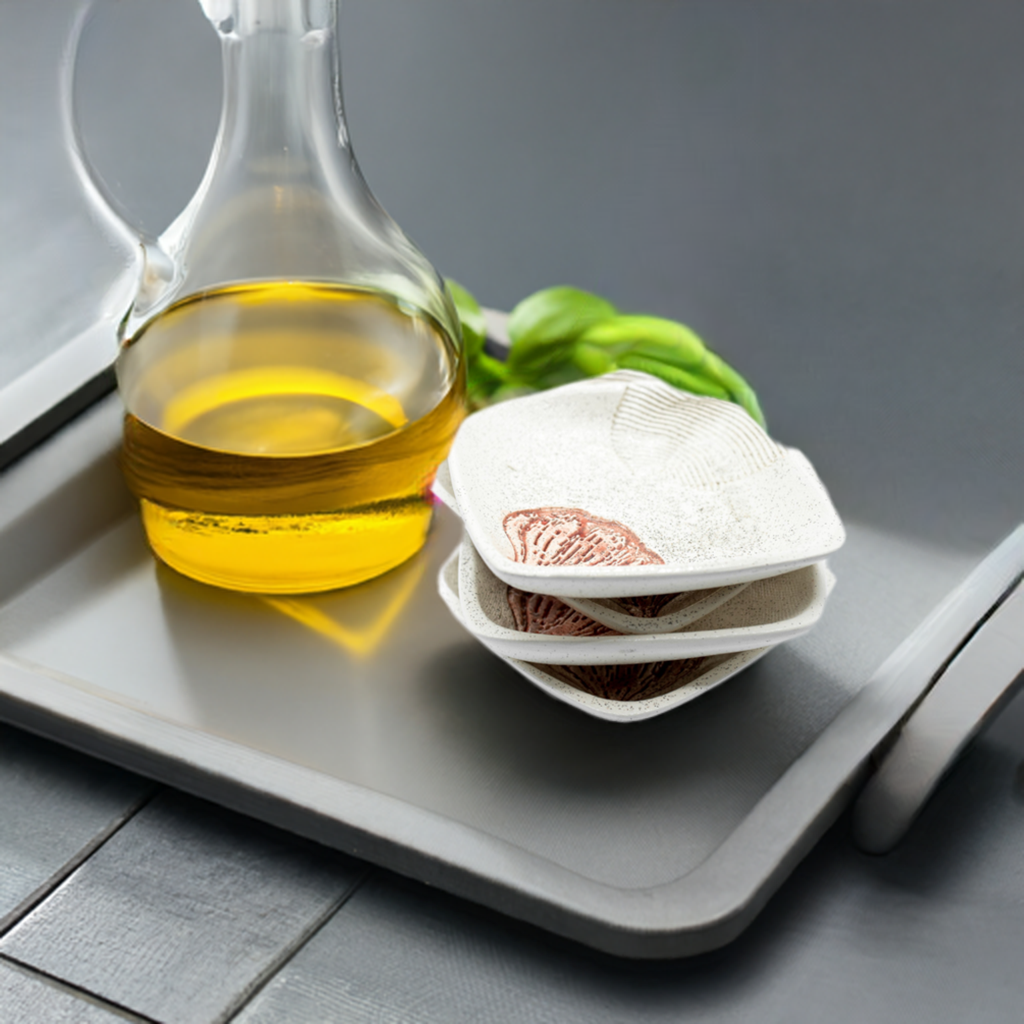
54, 807
27, 997
182, 913
190, 913
850, 939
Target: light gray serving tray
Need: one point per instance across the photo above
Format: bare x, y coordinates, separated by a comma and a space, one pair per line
369, 720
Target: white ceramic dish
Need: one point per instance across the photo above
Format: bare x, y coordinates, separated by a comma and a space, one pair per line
599, 707
684, 608
765, 613
623, 485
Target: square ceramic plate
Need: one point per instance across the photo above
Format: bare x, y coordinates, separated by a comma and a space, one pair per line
599, 707
683, 608
628, 615
623, 485
766, 613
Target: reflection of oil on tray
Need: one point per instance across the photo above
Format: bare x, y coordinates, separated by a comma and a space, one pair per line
356, 621
387, 731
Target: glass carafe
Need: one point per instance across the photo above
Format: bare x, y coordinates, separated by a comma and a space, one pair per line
290, 367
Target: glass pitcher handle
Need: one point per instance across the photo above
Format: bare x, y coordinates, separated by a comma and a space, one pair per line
149, 270
76, 261
105, 207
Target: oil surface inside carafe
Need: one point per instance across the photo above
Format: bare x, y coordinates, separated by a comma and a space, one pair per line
282, 437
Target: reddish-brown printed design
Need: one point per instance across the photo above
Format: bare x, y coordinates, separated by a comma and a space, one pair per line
539, 613
572, 536
644, 607
632, 682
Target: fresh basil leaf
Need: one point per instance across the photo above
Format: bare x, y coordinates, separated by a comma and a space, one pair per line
682, 379
471, 317
651, 336
544, 325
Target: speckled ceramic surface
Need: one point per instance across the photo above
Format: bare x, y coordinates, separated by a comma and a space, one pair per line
623, 485
600, 707
767, 612
628, 614
638, 615
448, 586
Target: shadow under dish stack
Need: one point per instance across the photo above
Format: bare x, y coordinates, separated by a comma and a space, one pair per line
628, 546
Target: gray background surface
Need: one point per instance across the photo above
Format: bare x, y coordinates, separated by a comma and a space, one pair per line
831, 194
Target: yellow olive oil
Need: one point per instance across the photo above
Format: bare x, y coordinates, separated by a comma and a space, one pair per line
282, 437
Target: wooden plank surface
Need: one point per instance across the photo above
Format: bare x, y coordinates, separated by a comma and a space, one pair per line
30, 998
932, 932
399, 952
55, 807
184, 912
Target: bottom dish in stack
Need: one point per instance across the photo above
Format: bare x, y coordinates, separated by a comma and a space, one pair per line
593, 689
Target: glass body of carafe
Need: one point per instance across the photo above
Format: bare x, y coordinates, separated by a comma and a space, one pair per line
291, 366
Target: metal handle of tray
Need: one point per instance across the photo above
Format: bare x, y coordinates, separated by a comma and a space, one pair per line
981, 627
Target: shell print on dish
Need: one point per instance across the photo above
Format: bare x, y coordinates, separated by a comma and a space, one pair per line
772, 611
653, 605
633, 682
573, 536
539, 613
713, 672
605, 474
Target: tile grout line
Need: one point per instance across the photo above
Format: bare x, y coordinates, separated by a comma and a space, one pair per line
44, 891
267, 975
82, 994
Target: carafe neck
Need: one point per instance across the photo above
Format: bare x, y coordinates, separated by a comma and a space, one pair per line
282, 85
282, 198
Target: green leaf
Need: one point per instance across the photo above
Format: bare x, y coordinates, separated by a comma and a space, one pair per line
544, 325
651, 336
739, 390
682, 379
471, 317
486, 369
555, 377
592, 360
562, 334
510, 391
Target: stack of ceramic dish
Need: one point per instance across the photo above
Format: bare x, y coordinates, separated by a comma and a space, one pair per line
628, 546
